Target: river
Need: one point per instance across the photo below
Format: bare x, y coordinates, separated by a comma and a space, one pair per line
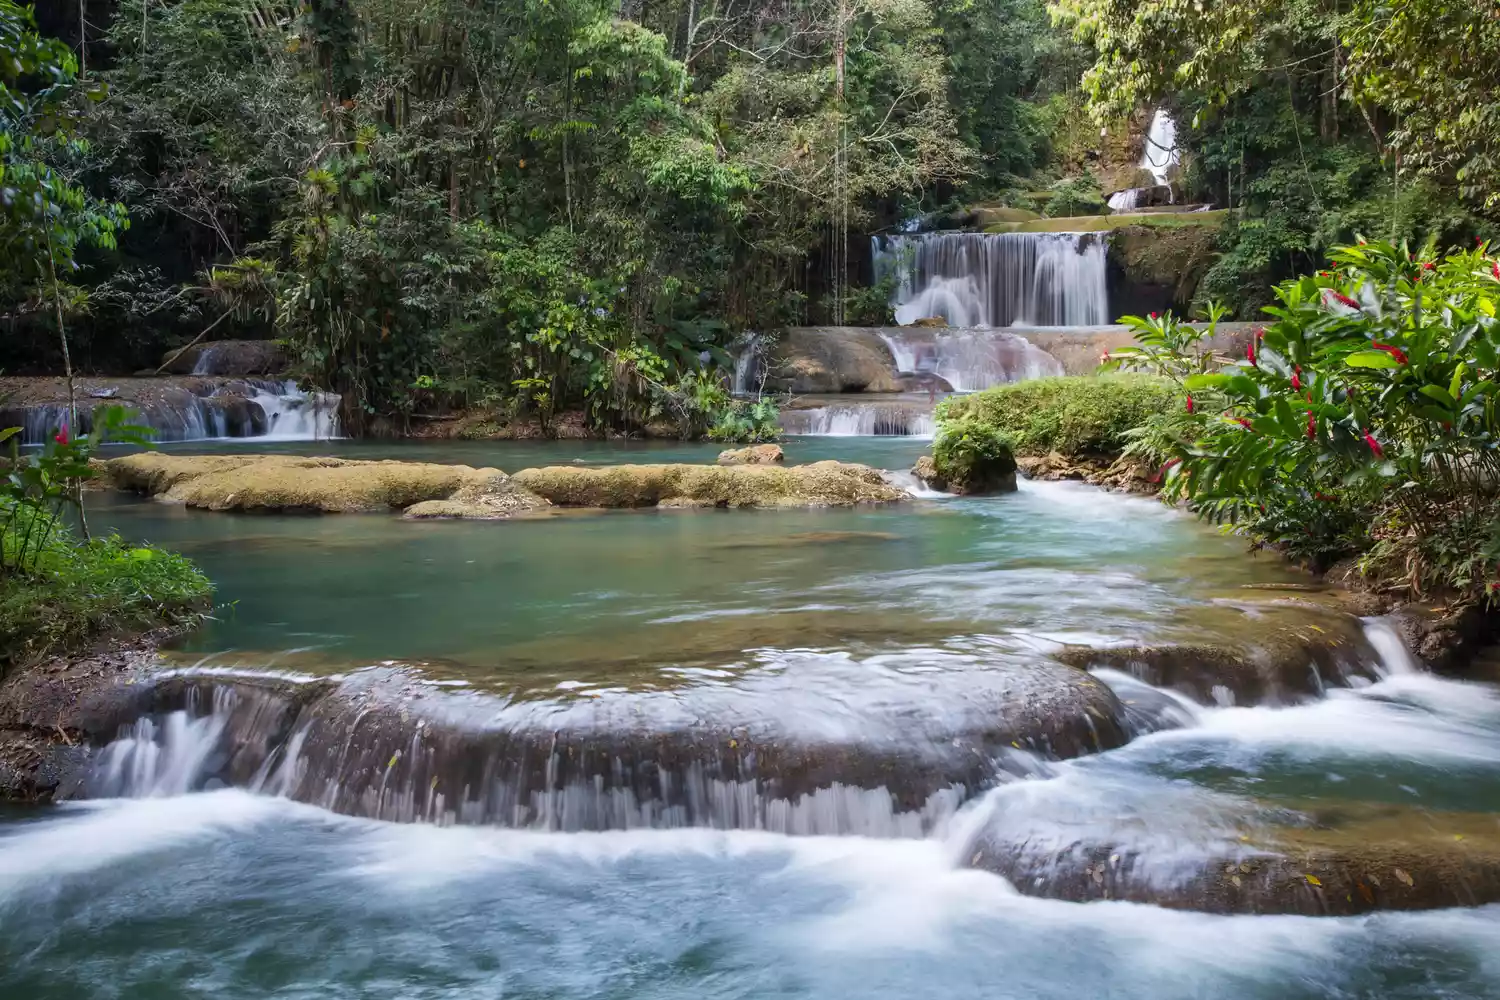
839, 622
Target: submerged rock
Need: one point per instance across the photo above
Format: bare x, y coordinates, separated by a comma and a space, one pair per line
1398, 859
750, 754
820, 484
755, 454
334, 485
1259, 654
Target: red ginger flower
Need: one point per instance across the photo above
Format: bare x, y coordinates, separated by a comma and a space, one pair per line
1250, 352
1297, 377
1495, 270
1346, 300
1375, 448
1312, 425
1392, 350
1244, 423
62, 435
1190, 403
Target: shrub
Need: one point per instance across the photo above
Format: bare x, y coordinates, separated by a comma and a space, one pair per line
1077, 416
77, 591
1076, 196
1363, 417
973, 457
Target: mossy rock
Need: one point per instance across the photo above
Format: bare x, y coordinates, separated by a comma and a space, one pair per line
970, 457
821, 484
1344, 863
1072, 415
327, 485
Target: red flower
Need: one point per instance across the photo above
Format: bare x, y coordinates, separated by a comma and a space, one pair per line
1394, 352
1250, 352
1346, 300
1495, 270
1375, 448
1155, 315
1325, 274
1190, 403
1163, 470
1297, 377
1312, 425
1104, 357
62, 435
1320, 495
1244, 423
1429, 265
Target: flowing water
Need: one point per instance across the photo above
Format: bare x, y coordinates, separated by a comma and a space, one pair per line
841, 623
1000, 279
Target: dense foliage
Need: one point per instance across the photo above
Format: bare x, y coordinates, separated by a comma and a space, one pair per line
1362, 419
1073, 416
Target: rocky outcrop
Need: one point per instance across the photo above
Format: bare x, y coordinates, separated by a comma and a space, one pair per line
755, 454
1274, 653
1334, 864
831, 360
821, 484
177, 408
327, 485
228, 357
1157, 268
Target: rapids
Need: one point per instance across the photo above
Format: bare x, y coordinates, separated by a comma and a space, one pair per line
169, 883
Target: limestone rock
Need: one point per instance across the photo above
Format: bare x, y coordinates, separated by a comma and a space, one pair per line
831, 360
926, 473
935, 322
821, 484
755, 454
228, 357
333, 485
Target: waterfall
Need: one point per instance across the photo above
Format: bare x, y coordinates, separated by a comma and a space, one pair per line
1125, 201
1000, 279
270, 409
1161, 153
859, 420
749, 363
969, 360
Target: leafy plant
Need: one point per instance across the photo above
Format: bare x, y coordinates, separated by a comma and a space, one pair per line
973, 456
1073, 416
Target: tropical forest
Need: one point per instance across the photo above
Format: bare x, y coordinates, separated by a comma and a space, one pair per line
703, 498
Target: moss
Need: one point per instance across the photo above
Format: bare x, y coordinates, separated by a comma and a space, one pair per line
971, 456
80, 591
1083, 415
821, 484
1101, 223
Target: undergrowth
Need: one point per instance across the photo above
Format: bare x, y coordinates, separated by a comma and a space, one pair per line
1075, 416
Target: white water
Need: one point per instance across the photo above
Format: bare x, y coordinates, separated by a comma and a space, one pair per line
859, 420
969, 360
294, 415
1161, 153
1125, 201
1000, 279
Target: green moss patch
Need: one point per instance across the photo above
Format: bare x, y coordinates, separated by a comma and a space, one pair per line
1087, 415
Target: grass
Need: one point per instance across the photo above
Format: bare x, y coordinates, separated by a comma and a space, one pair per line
80, 591
1073, 415
1101, 223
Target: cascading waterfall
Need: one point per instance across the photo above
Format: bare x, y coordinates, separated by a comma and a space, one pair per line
1159, 157
999, 279
270, 409
860, 419
969, 360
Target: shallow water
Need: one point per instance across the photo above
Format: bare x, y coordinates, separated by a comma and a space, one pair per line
835, 618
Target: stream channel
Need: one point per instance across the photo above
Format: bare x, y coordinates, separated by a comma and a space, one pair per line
885, 627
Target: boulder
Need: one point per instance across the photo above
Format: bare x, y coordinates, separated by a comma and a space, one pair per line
1391, 858
1158, 268
755, 454
285, 482
821, 484
228, 357
931, 322
1276, 653
831, 360
970, 457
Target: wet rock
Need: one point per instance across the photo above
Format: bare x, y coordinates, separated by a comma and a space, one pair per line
971, 459
283, 482
820, 484
755, 454
931, 322
926, 473
228, 357
1259, 654
831, 360
1403, 859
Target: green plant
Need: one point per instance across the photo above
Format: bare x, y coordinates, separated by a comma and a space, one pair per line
1075, 196
1077, 416
41, 484
971, 456
1370, 400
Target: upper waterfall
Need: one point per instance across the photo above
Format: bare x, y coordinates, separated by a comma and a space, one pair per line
1001, 279
1161, 153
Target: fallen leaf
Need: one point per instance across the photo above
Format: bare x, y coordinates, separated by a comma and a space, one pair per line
1236, 881
1313, 880
1405, 878
1364, 891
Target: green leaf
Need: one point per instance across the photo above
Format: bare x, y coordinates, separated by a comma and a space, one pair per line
1209, 381
1371, 359
1440, 394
